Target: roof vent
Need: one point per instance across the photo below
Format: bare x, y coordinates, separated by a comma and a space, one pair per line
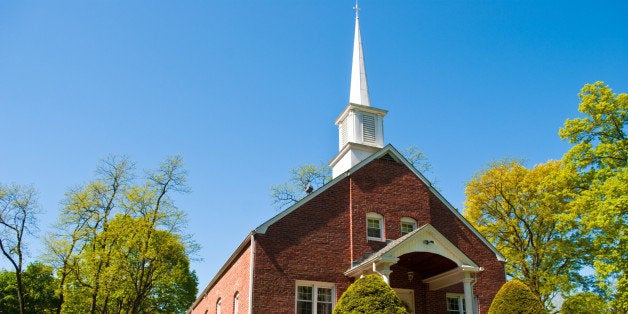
388, 157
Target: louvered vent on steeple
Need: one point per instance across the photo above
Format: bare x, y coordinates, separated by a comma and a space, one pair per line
343, 133
368, 133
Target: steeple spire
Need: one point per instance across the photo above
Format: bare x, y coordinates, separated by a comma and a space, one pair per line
360, 126
359, 93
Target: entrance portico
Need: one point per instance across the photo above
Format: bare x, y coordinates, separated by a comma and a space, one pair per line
423, 255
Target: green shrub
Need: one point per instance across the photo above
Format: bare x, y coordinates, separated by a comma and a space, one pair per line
370, 294
515, 297
585, 303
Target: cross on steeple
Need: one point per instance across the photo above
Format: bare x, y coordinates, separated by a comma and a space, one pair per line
357, 9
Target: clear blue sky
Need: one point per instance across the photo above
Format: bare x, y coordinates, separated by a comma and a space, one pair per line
245, 90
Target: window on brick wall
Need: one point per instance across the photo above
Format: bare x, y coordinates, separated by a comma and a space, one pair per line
456, 305
374, 227
218, 305
314, 297
407, 225
236, 302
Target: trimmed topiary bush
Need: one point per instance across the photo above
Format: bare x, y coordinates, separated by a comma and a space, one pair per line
585, 303
370, 294
515, 297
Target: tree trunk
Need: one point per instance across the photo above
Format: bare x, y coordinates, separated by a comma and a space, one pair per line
20, 291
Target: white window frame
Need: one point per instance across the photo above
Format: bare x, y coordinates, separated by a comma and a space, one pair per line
380, 218
407, 220
236, 302
218, 305
315, 286
461, 303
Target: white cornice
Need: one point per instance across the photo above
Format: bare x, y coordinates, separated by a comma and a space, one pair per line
349, 146
367, 109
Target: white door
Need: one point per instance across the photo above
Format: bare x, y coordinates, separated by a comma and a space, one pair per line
407, 297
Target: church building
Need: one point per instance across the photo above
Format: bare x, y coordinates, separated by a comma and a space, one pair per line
378, 215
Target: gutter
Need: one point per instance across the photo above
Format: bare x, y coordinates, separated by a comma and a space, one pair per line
252, 267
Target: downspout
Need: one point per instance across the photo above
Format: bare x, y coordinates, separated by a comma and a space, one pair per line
351, 221
251, 268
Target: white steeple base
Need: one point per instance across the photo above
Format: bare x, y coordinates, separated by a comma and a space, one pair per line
350, 155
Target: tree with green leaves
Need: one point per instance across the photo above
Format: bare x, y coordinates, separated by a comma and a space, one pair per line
516, 297
585, 303
87, 211
39, 290
521, 211
370, 294
18, 210
118, 244
600, 153
303, 180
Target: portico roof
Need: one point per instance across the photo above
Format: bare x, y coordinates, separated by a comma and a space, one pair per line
424, 239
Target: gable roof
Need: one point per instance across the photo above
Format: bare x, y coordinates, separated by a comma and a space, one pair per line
393, 153
424, 239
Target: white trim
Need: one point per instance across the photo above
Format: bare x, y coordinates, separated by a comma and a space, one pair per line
368, 109
349, 146
452, 277
252, 268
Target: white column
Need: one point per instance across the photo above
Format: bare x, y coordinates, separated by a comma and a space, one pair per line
385, 273
384, 268
468, 293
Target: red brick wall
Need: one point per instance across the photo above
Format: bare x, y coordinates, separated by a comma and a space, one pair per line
392, 190
235, 279
311, 243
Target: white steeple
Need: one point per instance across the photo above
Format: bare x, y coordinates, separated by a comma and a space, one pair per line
360, 126
359, 93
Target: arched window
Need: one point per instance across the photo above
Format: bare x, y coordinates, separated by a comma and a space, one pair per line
407, 225
218, 305
236, 302
374, 227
